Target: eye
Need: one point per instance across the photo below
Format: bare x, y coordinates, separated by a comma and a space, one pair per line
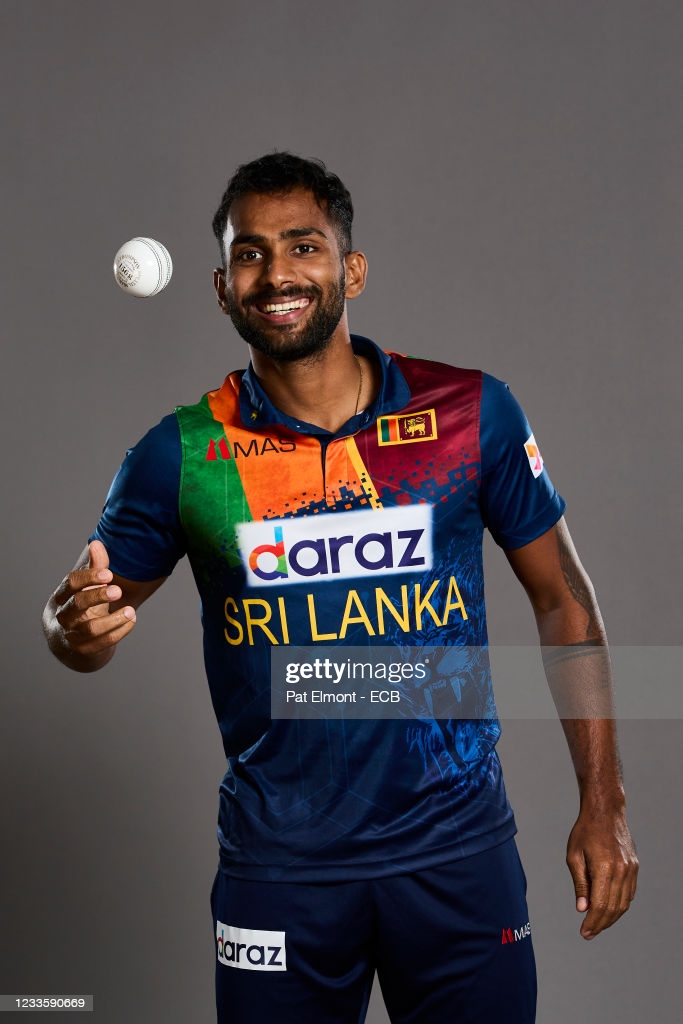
305, 248
246, 256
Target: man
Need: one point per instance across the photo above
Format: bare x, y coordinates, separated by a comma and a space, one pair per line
334, 496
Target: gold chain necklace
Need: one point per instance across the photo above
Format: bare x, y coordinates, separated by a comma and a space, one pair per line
360, 382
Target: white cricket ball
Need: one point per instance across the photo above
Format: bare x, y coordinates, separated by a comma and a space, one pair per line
142, 267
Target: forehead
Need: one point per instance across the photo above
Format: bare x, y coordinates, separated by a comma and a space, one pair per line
269, 215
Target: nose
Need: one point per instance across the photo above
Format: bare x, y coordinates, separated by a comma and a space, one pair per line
277, 270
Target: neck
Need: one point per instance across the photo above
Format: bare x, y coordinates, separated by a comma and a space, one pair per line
327, 389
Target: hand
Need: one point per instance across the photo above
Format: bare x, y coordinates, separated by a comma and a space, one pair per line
602, 859
82, 608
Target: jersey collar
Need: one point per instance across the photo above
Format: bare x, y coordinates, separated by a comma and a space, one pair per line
256, 409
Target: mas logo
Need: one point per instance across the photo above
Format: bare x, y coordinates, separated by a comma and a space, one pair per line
417, 426
220, 449
338, 546
511, 935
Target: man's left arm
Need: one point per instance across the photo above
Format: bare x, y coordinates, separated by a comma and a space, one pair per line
600, 853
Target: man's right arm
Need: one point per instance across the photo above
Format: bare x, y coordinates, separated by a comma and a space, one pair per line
92, 610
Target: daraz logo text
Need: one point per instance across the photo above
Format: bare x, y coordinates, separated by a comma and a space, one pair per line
250, 949
338, 546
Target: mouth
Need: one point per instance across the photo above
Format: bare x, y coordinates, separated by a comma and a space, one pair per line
285, 311
282, 311
283, 307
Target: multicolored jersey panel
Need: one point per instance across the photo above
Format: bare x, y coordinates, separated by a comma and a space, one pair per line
371, 536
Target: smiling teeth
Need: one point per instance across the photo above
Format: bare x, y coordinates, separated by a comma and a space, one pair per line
284, 307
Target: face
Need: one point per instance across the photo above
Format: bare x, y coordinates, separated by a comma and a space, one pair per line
285, 285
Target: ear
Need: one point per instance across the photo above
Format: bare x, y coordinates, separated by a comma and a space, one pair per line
356, 273
219, 285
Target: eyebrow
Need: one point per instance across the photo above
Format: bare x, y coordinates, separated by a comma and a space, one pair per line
283, 236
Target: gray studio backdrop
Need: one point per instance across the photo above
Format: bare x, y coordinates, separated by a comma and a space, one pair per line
516, 168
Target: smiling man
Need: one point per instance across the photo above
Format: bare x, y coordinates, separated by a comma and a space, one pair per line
332, 497
288, 272
304, 316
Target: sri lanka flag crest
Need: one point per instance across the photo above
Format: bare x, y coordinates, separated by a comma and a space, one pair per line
414, 426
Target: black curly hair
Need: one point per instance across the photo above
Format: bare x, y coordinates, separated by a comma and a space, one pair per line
280, 172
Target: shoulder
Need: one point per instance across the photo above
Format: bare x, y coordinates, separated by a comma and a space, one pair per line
222, 403
157, 452
441, 385
419, 369
159, 436
500, 408
504, 424
415, 368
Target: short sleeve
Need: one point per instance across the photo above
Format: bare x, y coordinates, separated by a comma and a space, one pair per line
140, 523
518, 500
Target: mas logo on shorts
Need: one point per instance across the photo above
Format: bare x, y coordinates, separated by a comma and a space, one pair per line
533, 454
511, 935
341, 546
250, 949
417, 426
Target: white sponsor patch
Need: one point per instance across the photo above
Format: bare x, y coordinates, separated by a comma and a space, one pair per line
337, 546
250, 949
533, 454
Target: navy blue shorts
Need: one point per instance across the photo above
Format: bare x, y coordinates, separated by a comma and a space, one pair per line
451, 945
